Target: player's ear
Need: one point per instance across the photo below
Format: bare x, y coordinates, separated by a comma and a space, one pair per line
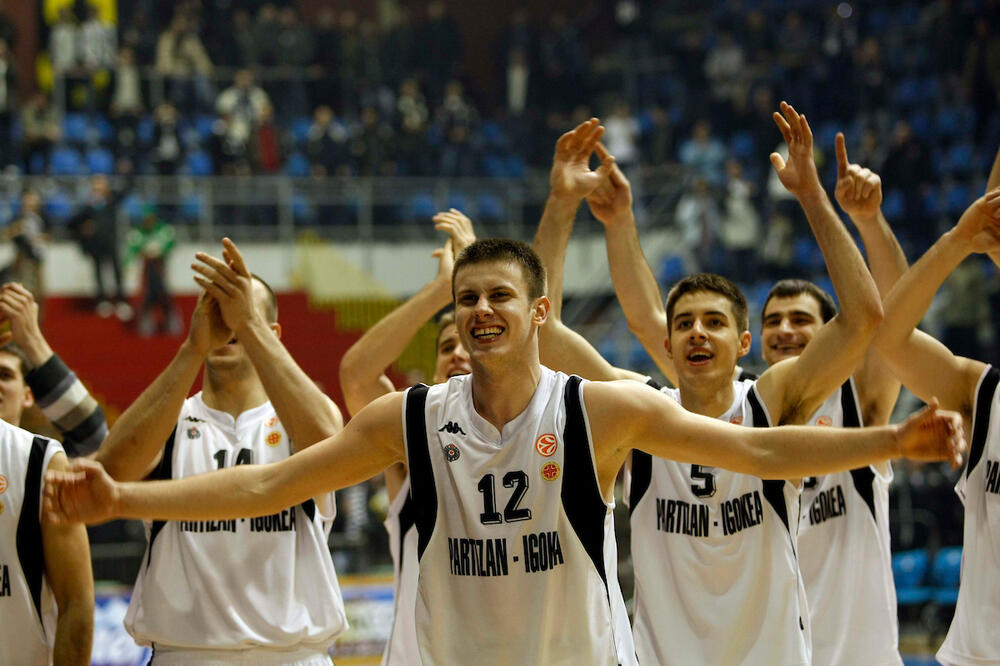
745, 339
29, 397
666, 345
540, 310
276, 329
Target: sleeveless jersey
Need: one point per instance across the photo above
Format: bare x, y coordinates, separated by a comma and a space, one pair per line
844, 554
27, 607
716, 575
235, 584
402, 650
974, 637
518, 560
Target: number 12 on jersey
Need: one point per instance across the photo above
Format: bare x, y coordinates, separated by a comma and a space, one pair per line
517, 480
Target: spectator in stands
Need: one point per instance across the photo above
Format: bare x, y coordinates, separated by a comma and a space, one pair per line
40, 130
327, 144
457, 119
724, 69
230, 155
325, 88
245, 52
518, 77
265, 32
562, 64
621, 134
440, 47
371, 147
740, 228
267, 150
64, 42
243, 105
870, 79
127, 103
8, 104
152, 241
658, 140
295, 52
349, 66
704, 154
94, 229
981, 74
908, 165
40, 377
28, 234
965, 292
98, 42
167, 149
697, 218
182, 59
411, 130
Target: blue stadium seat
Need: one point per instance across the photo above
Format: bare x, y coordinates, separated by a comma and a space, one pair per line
134, 206
302, 208
145, 130
742, 146
608, 348
297, 165
949, 122
672, 269
960, 159
191, 206
931, 202
100, 160
199, 163
105, 132
489, 207
515, 166
922, 125
462, 202
494, 166
203, 124
66, 162
300, 130
908, 571
945, 573
58, 207
908, 92
957, 198
422, 206
75, 126
493, 134
807, 254
825, 135
638, 357
894, 205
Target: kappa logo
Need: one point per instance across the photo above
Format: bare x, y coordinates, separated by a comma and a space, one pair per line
451, 428
824, 421
546, 444
3, 483
550, 471
273, 421
273, 438
451, 453
193, 433
194, 419
737, 420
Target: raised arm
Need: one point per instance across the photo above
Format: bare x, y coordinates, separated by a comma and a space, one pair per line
991, 184
306, 412
362, 369
859, 193
66, 552
63, 399
628, 415
794, 390
135, 443
370, 442
633, 279
925, 366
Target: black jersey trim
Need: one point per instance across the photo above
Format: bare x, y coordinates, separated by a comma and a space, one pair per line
642, 469
981, 425
581, 495
761, 419
406, 523
309, 506
29, 524
746, 374
863, 478
774, 489
423, 491
162, 472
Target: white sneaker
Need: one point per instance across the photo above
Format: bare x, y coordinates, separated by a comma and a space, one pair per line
123, 311
105, 309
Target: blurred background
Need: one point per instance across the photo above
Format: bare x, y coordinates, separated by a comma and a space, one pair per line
322, 136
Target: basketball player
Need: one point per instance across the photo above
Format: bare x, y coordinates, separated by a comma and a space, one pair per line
517, 557
30, 373
706, 318
46, 583
929, 370
362, 379
263, 588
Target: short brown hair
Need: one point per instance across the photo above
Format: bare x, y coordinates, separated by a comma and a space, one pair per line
15, 350
715, 284
790, 288
505, 250
446, 320
271, 304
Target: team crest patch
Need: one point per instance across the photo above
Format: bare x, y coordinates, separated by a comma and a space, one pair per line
547, 444
550, 471
273, 421
737, 420
193, 433
451, 453
824, 421
3, 483
273, 438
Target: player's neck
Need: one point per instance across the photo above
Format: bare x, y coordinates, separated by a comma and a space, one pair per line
709, 399
232, 391
501, 392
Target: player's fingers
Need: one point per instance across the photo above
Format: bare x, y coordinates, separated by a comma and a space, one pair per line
778, 161
840, 146
217, 278
211, 287
604, 171
805, 130
236, 257
868, 185
602, 151
786, 130
591, 139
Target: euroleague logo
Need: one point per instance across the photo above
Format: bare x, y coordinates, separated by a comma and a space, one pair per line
546, 445
3, 483
824, 421
273, 421
451, 453
550, 471
273, 438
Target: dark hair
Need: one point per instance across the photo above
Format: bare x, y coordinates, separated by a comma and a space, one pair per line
271, 306
505, 250
14, 349
789, 288
715, 284
443, 322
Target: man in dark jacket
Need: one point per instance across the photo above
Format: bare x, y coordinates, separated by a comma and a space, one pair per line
94, 230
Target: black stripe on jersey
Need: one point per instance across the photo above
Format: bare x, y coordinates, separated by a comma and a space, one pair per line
29, 525
309, 506
162, 472
774, 489
984, 401
746, 374
407, 519
760, 417
423, 492
582, 499
642, 470
862, 477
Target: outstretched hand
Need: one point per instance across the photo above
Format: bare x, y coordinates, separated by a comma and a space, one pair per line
208, 329
229, 282
611, 201
458, 226
18, 307
446, 262
859, 190
571, 176
84, 493
979, 225
798, 175
933, 434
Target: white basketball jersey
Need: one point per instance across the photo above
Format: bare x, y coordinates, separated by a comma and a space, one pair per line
402, 649
716, 576
518, 560
974, 636
235, 584
844, 554
27, 607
